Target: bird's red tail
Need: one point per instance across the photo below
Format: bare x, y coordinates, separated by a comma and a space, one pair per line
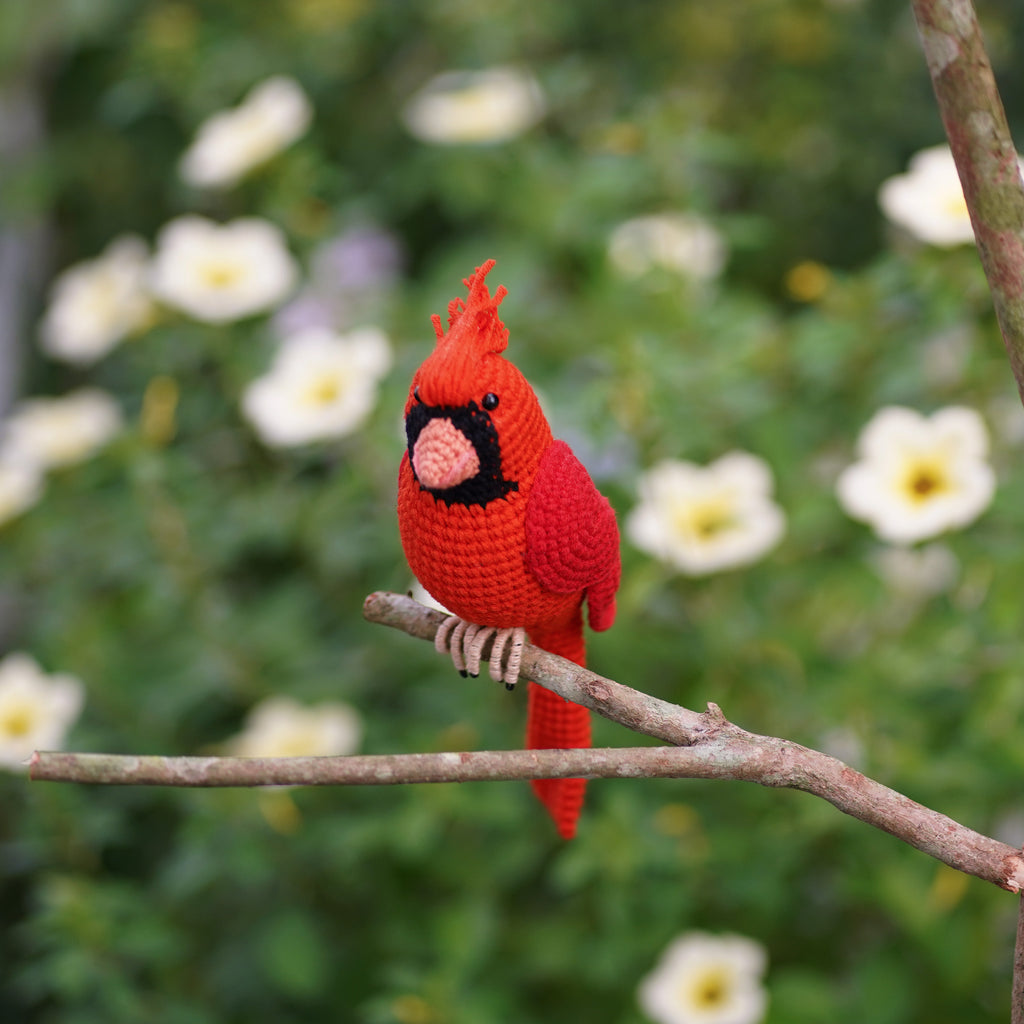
553, 722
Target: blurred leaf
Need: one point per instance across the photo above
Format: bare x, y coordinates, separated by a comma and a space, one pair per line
293, 955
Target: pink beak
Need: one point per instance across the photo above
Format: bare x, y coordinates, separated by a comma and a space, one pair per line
443, 456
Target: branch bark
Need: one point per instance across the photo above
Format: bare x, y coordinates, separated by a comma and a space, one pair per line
1017, 990
989, 168
986, 159
706, 746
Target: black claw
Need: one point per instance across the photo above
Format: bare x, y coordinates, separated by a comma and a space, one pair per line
474, 675
510, 687
463, 673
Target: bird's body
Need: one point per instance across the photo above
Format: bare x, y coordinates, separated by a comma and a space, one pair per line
499, 521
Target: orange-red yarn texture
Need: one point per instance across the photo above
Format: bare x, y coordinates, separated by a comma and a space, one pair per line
529, 539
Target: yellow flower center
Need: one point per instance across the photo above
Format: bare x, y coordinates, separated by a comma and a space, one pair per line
103, 300
710, 989
705, 520
16, 721
221, 275
324, 390
956, 205
925, 481
299, 744
300, 737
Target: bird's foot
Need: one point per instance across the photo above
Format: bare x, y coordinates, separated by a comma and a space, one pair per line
466, 642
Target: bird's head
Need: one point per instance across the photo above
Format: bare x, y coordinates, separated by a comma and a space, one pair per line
474, 426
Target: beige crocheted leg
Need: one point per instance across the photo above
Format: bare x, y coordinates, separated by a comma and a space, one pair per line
509, 673
441, 636
465, 642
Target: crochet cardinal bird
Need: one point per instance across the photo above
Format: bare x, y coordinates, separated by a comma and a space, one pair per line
503, 525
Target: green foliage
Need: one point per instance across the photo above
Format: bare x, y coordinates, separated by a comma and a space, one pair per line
186, 575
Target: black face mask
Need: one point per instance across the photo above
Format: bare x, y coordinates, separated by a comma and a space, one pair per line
489, 484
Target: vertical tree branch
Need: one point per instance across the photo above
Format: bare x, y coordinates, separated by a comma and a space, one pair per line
986, 159
987, 162
1017, 1003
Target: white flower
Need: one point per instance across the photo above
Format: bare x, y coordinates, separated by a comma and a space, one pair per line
21, 486
928, 201
281, 727
707, 979
222, 272
36, 710
95, 304
232, 142
475, 106
46, 433
681, 242
919, 476
321, 385
704, 519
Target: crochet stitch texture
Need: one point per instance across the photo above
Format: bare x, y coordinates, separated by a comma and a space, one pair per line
524, 540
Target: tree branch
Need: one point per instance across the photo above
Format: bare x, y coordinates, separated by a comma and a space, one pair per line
714, 748
985, 156
707, 746
631, 708
1017, 991
989, 168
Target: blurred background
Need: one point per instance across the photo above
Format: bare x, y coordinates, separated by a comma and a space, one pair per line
189, 530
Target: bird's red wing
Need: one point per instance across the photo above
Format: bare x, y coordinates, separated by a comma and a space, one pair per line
572, 540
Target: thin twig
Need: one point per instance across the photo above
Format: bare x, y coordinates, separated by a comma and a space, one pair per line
986, 159
368, 770
1017, 998
708, 747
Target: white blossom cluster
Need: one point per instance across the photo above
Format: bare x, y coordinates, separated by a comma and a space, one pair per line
916, 477
320, 385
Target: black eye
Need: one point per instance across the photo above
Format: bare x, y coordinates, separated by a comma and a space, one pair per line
490, 401
416, 394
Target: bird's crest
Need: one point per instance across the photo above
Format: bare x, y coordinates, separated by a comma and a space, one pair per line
474, 324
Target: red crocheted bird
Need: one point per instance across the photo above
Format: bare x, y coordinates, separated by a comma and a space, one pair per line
502, 524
